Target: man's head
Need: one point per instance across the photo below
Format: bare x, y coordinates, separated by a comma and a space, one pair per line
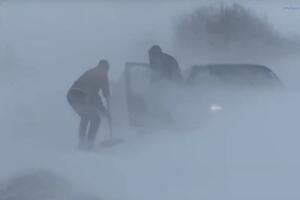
103, 65
155, 50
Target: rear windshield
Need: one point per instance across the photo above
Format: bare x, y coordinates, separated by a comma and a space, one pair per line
235, 75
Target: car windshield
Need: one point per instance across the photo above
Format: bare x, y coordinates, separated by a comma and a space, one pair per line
245, 76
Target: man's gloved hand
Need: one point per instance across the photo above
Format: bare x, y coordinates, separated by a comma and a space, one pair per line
103, 111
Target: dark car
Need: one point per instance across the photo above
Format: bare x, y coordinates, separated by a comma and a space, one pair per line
207, 88
231, 84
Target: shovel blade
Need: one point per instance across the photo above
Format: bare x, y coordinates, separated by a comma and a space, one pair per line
111, 142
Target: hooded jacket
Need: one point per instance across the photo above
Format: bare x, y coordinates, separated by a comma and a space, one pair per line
91, 82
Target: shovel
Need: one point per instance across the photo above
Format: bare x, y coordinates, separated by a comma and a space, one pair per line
111, 141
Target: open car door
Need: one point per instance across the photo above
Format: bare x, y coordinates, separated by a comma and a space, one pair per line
137, 82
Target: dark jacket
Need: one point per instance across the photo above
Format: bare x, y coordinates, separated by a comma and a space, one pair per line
91, 82
166, 66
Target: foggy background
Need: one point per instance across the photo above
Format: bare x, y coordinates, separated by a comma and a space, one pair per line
45, 46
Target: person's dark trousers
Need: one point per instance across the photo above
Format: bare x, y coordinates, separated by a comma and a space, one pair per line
89, 116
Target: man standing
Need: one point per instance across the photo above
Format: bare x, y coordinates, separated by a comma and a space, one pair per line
84, 98
164, 65
165, 78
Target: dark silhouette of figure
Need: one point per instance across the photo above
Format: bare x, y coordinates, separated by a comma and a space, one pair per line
84, 98
164, 65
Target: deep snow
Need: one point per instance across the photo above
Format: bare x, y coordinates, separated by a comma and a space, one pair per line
251, 154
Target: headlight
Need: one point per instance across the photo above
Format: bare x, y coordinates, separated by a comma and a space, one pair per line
216, 108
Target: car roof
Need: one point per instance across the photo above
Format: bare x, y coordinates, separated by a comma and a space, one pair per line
238, 70
229, 67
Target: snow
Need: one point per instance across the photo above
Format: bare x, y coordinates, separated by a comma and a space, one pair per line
249, 154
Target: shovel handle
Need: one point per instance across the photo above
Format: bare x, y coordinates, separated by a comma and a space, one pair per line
109, 124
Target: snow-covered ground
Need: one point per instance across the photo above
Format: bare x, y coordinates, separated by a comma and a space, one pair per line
252, 154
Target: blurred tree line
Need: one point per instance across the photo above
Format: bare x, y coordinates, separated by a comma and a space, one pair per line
231, 32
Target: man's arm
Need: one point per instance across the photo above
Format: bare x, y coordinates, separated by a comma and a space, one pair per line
174, 69
106, 90
177, 72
